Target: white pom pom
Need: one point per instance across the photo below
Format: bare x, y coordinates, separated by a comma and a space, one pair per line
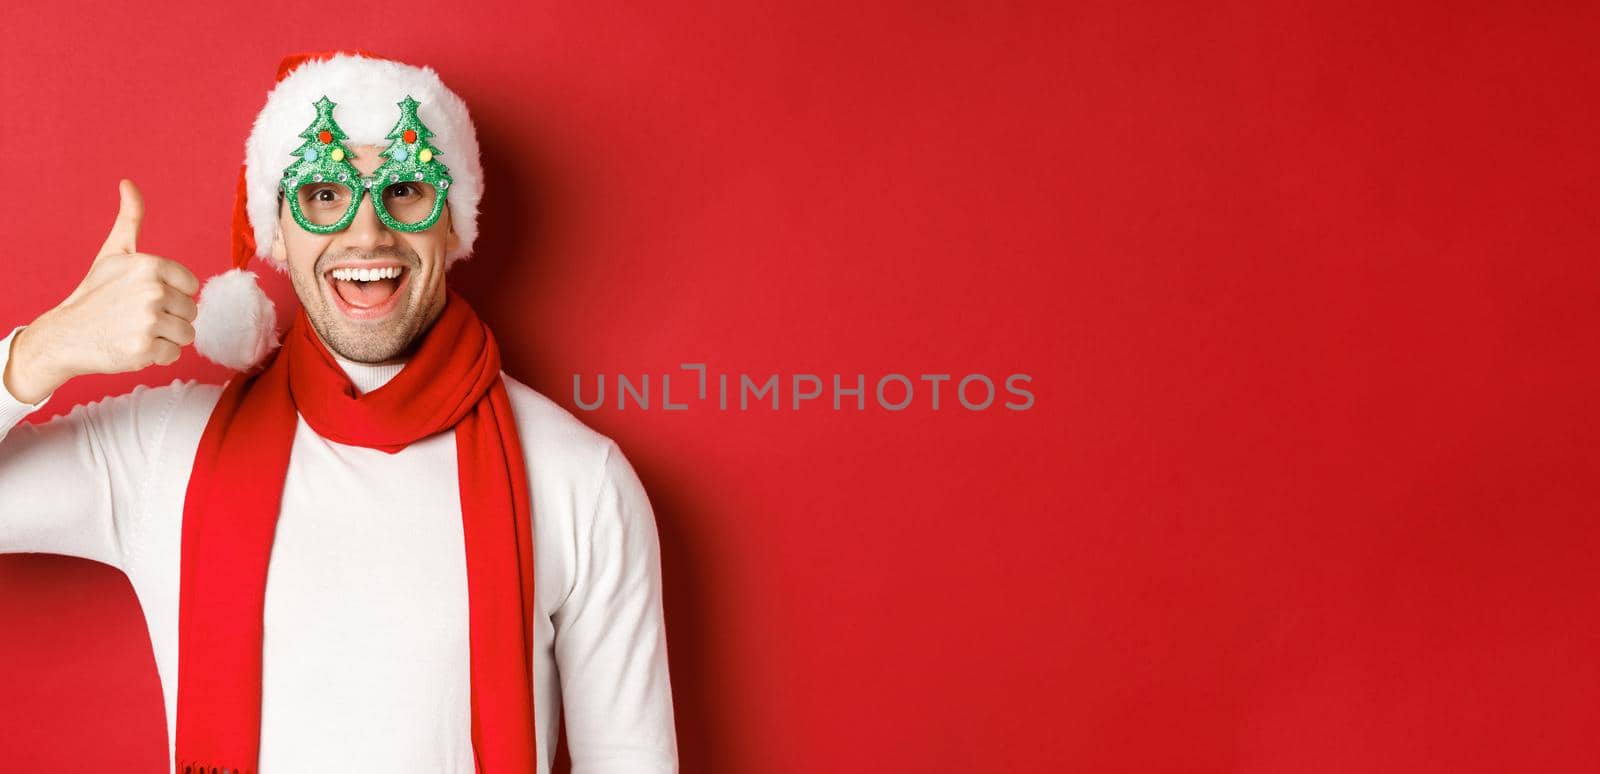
236, 325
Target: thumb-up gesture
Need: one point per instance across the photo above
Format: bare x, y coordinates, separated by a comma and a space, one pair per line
132, 310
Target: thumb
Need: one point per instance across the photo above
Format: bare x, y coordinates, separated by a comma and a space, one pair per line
124, 234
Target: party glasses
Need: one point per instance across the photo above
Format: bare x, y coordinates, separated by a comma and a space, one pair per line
324, 189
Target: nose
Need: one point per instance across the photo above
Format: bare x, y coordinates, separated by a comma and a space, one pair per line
366, 230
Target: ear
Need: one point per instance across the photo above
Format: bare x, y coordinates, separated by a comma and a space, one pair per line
452, 240
280, 252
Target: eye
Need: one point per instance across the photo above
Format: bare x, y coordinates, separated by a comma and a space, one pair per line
402, 191
324, 194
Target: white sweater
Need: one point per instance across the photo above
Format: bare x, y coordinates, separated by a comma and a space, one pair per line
366, 651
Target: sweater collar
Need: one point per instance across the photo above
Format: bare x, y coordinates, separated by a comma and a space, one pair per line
368, 377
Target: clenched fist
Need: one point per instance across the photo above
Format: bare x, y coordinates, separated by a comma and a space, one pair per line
131, 311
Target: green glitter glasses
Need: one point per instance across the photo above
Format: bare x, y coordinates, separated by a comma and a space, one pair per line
324, 189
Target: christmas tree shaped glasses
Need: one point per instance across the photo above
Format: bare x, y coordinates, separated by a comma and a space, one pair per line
324, 188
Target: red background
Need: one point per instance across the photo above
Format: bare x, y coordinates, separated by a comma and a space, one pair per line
1307, 293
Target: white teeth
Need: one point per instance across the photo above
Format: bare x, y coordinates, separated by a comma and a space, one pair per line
366, 275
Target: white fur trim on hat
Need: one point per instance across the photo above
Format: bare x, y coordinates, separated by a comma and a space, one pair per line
236, 325
367, 93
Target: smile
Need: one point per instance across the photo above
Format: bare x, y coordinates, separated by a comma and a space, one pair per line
367, 291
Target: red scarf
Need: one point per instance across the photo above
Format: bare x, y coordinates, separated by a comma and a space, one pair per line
231, 513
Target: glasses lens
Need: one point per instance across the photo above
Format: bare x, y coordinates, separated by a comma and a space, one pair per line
410, 202
324, 204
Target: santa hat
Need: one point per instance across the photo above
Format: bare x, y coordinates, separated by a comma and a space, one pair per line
237, 325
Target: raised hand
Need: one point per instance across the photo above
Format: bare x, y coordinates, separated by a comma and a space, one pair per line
132, 310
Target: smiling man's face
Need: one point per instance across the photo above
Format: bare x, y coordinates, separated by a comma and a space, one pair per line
368, 321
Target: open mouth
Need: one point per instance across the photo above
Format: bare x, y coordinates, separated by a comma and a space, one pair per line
367, 292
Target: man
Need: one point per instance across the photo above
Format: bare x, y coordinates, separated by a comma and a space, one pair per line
372, 550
